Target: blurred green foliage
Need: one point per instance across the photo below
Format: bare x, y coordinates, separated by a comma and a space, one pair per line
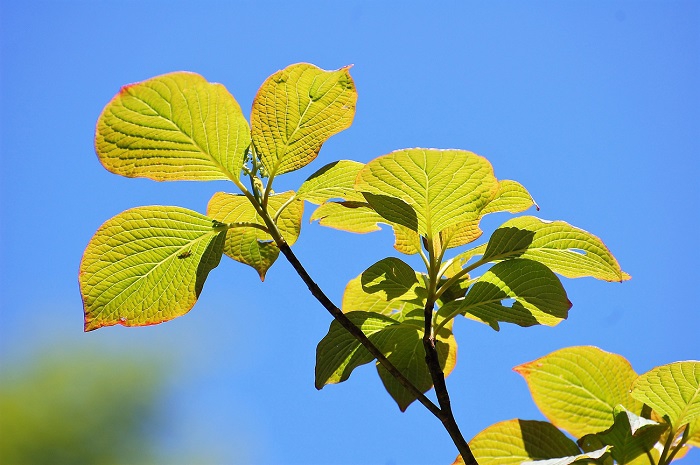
96, 408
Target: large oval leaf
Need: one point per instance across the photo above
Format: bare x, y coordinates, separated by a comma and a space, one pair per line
296, 110
173, 127
249, 244
567, 250
671, 390
147, 265
442, 187
578, 388
534, 293
513, 442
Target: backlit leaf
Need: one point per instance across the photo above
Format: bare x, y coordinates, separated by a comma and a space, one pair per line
428, 190
536, 294
671, 390
511, 197
578, 388
335, 180
584, 458
567, 250
173, 127
351, 216
513, 442
296, 110
147, 265
632, 437
251, 245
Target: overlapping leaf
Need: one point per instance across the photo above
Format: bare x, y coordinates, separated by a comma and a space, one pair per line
173, 127
399, 337
632, 438
248, 244
578, 388
672, 391
335, 180
147, 265
567, 250
428, 190
513, 442
537, 294
296, 110
511, 197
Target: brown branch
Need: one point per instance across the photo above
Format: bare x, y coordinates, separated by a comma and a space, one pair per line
432, 360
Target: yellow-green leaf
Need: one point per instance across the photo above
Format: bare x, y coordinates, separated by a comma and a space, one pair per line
335, 180
511, 197
672, 391
351, 216
535, 294
513, 442
296, 110
173, 127
567, 250
147, 265
428, 190
578, 388
249, 244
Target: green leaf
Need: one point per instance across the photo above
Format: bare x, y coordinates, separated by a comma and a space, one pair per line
339, 353
513, 442
672, 390
389, 286
296, 110
631, 437
569, 251
511, 197
577, 388
539, 297
428, 190
249, 244
335, 180
147, 265
351, 216
171, 128
399, 337
586, 457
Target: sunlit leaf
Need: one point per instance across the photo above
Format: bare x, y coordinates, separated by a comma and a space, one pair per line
577, 388
671, 390
428, 190
173, 127
632, 437
248, 244
584, 458
694, 435
513, 442
511, 197
569, 251
147, 265
399, 337
296, 110
535, 294
335, 180
351, 216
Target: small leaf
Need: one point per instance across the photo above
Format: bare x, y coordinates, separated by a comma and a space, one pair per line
351, 216
671, 390
296, 110
569, 251
577, 388
335, 180
147, 265
513, 442
442, 187
631, 437
511, 197
339, 353
389, 286
250, 245
173, 127
539, 297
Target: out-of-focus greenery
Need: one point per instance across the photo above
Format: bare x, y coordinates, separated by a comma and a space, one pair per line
95, 408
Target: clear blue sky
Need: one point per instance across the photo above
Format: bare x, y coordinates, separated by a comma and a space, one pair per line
593, 106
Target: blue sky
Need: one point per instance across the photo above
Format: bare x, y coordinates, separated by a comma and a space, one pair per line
593, 106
